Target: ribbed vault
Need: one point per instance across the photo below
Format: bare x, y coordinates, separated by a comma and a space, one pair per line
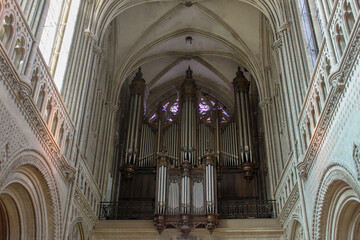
222, 38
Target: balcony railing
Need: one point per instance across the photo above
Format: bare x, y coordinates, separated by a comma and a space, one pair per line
234, 209
145, 209
128, 209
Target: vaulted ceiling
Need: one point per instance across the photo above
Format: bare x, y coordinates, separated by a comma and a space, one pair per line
152, 34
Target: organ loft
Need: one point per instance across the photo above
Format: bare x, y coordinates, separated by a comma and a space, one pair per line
192, 160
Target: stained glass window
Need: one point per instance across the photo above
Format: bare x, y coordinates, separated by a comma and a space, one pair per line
174, 108
165, 106
203, 108
153, 117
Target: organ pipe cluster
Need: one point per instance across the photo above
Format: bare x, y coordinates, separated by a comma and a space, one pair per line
188, 118
161, 180
136, 110
241, 90
186, 166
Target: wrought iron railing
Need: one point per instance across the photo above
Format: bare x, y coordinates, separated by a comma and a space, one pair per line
145, 209
235, 209
127, 209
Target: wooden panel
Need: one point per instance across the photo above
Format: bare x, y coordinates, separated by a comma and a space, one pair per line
141, 186
234, 186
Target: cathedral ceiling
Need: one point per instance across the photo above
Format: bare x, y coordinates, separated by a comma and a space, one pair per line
152, 34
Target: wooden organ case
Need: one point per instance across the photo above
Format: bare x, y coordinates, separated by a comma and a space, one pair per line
191, 161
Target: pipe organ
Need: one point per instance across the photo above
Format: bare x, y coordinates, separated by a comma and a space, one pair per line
196, 152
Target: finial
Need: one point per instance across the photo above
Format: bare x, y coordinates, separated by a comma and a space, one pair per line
139, 73
239, 73
189, 72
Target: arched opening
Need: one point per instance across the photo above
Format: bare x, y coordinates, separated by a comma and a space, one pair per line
19, 53
41, 98
34, 81
6, 31
54, 124
48, 112
348, 17
77, 232
19, 208
341, 213
340, 40
26, 209
297, 232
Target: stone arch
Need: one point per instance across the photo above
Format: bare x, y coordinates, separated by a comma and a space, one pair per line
7, 30
29, 197
297, 230
340, 40
337, 199
76, 230
349, 19
19, 53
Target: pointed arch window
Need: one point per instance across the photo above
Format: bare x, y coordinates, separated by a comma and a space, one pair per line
309, 32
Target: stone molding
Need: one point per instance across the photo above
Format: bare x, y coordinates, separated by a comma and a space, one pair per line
290, 203
28, 157
333, 173
340, 78
20, 93
356, 157
85, 206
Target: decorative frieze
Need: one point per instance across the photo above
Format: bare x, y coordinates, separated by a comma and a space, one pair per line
338, 80
290, 203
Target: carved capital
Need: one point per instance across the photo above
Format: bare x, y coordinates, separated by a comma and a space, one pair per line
69, 172
111, 106
89, 34
283, 28
265, 103
277, 45
301, 167
337, 80
97, 50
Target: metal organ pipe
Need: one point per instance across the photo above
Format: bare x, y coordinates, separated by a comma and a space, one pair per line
243, 116
129, 131
159, 135
249, 129
240, 124
210, 181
